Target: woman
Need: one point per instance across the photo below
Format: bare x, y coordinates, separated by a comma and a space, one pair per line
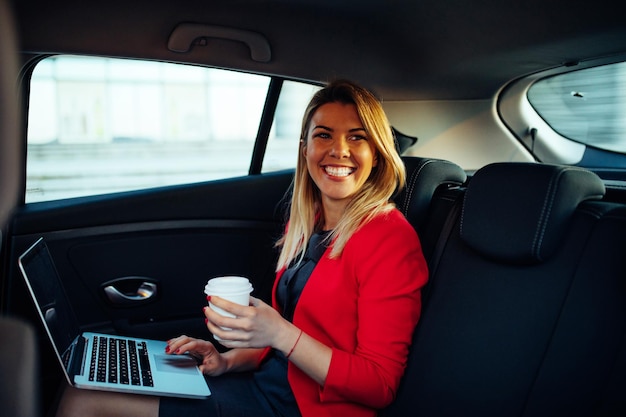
347, 293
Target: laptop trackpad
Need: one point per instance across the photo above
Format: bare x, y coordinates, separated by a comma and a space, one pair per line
178, 364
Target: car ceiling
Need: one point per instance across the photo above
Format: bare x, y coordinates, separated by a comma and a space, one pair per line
403, 50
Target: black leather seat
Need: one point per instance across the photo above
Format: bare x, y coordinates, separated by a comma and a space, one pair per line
526, 311
419, 200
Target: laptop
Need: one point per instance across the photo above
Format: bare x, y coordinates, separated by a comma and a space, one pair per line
101, 361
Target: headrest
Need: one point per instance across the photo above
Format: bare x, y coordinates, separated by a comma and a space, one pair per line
423, 177
518, 212
402, 141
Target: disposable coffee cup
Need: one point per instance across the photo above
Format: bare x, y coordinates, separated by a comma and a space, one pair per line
232, 288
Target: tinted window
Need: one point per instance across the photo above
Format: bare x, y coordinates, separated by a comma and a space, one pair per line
100, 125
587, 106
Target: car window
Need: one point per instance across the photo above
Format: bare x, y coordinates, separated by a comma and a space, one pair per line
103, 125
586, 106
282, 147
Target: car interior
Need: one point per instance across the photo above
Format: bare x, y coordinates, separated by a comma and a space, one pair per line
153, 143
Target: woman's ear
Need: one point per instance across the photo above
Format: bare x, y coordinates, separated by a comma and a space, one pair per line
303, 147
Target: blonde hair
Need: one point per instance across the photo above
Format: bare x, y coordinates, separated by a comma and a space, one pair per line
372, 199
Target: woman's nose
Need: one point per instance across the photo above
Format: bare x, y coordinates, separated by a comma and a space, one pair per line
340, 148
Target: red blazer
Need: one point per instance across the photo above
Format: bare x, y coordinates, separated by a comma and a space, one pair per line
364, 305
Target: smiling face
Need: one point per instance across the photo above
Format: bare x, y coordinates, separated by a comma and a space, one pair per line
339, 156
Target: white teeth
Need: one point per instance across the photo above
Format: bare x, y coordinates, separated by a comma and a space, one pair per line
339, 171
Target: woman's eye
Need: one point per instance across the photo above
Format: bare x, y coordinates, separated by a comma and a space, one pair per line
358, 137
322, 135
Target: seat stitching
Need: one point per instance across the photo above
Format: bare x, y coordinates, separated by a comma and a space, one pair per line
462, 217
541, 230
546, 209
413, 180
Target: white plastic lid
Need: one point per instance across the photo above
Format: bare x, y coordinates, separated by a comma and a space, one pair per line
228, 285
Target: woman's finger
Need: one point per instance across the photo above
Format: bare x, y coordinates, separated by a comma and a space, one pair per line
230, 307
174, 345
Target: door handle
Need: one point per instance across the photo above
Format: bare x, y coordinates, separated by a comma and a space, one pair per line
146, 291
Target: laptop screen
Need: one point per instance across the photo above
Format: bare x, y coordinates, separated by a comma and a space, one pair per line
52, 303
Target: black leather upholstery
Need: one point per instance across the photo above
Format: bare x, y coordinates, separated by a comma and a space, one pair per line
419, 200
519, 212
424, 177
515, 325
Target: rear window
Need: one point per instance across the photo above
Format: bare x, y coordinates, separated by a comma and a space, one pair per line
587, 106
103, 125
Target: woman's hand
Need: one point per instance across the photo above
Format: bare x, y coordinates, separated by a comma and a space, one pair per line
212, 362
258, 326
255, 326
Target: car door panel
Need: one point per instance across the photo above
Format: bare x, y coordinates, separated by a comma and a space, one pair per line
174, 238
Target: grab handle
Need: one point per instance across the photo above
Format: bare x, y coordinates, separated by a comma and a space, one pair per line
145, 292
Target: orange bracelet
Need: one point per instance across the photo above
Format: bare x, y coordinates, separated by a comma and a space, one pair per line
294, 345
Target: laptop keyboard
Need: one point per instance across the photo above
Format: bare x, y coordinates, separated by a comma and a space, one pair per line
120, 361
